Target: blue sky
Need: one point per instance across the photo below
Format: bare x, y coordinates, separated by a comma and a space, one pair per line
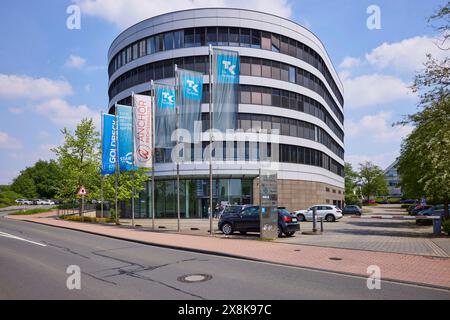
51, 76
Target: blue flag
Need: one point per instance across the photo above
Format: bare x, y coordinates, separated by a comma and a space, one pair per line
125, 133
165, 123
109, 144
226, 69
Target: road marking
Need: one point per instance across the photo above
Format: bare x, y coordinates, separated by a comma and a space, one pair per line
7, 235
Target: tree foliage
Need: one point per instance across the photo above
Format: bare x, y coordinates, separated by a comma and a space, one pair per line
424, 163
351, 185
372, 181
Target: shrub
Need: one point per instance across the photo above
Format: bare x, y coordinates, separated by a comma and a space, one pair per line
446, 226
30, 212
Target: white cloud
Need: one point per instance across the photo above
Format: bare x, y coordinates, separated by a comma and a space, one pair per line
25, 87
124, 13
378, 127
375, 89
75, 62
350, 62
408, 55
8, 142
62, 113
16, 111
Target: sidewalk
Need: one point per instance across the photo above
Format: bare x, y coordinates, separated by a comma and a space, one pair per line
433, 271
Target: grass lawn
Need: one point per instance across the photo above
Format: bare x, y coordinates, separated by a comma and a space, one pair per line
30, 212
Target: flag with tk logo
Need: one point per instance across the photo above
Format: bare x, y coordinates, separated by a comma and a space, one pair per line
226, 72
165, 123
143, 131
125, 135
109, 144
189, 98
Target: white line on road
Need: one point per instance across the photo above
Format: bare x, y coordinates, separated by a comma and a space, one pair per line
7, 235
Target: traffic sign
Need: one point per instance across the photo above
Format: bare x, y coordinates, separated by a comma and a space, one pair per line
82, 191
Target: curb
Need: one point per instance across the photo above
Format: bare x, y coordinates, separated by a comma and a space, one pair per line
227, 255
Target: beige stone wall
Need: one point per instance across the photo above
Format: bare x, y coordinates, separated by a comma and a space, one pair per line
299, 194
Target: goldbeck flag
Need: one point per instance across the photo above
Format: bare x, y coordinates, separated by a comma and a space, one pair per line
143, 128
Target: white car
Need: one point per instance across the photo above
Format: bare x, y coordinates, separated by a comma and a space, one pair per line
328, 212
46, 202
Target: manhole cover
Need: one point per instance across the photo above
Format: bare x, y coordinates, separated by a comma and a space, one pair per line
194, 278
335, 259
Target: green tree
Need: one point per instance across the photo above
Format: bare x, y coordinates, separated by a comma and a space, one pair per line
24, 185
79, 159
351, 185
424, 163
372, 181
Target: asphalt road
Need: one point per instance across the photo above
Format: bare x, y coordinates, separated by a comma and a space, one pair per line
34, 259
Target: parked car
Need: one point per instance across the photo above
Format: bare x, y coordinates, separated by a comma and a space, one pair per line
352, 209
47, 202
433, 211
328, 212
247, 220
417, 209
20, 201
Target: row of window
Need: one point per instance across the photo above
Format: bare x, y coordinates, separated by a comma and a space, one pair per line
287, 154
285, 127
223, 36
260, 67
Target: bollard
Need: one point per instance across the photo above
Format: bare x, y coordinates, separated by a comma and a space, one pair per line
321, 224
314, 220
437, 226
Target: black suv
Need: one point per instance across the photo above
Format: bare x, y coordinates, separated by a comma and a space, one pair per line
247, 220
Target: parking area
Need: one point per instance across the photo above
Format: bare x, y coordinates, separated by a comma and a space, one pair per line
398, 236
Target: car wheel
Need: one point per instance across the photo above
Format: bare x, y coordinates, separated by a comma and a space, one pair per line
227, 229
290, 234
330, 218
301, 217
280, 232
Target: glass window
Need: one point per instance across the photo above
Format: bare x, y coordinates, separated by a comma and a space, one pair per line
275, 43
292, 47
129, 54
276, 72
200, 37
266, 122
284, 126
293, 127
267, 96
256, 39
266, 42
266, 70
276, 125
168, 69
189, 40
284, 45
151, 45
276, 97
168, 41
284, 72
142, 48
223, 36
285, 99
159, 74
245, 40
256, 122
178, 39
256, 95
246, 96
256, 67
234, 37
245, 121
189, 63
211, 36
246, 66
201, 64
292, 73
159, 45
135, 51
300, 51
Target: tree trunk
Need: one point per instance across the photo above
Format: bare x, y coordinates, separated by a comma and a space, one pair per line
446, 211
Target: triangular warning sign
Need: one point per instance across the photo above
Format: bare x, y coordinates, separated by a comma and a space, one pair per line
82, 191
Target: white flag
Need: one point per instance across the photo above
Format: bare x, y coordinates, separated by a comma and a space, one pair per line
143, 128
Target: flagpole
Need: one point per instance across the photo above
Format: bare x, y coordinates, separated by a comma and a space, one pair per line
132, 169
211, 126
117, 165
178, 152
101, 174
152, 94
